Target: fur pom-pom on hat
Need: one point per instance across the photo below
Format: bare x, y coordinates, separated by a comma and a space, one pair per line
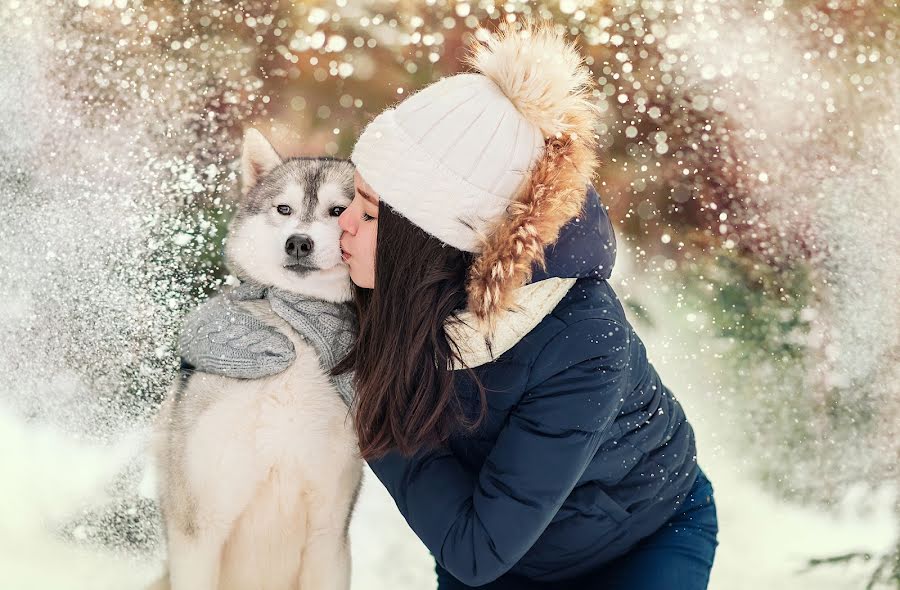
539, 72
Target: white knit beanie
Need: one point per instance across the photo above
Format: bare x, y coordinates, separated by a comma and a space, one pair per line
453, 157
450, 157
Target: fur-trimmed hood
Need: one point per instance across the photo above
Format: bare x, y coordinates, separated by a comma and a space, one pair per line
544, 76
586, 245
586, 248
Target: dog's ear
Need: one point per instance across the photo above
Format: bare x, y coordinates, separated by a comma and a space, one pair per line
258, 157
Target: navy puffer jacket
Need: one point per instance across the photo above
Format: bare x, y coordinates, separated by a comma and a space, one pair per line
584, 451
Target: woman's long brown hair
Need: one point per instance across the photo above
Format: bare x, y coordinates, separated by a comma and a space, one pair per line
405, 394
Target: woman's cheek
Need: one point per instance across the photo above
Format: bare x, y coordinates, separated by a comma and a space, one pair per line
372, 243
370, 254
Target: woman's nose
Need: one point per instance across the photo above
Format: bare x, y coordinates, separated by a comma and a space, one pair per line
344, 221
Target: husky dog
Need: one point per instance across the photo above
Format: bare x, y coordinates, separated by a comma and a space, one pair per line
258, 477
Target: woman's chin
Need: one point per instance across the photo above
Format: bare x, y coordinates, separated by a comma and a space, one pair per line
363, 282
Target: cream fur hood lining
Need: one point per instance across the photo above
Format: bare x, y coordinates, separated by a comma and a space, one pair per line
531, 304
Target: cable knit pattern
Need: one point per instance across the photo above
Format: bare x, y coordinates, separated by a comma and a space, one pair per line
221, 338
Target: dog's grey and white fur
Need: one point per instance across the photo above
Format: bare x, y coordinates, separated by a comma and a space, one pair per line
258, 478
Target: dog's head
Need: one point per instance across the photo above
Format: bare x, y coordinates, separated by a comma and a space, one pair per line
285, 233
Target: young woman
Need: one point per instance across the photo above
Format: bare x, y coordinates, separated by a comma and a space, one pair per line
502, 397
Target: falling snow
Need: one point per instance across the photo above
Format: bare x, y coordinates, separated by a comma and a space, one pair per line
751, 163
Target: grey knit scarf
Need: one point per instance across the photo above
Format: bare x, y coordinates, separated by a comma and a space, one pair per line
221, 338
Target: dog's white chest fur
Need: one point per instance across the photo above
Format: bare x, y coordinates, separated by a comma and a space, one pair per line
258, 478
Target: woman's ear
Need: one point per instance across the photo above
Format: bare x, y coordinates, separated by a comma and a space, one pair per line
258, 158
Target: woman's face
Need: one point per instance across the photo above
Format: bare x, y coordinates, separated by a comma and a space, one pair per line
359, 225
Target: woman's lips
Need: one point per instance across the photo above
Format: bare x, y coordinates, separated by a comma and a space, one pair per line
344, 255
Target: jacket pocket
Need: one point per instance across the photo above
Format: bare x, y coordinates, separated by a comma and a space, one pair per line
605, 503
591, 499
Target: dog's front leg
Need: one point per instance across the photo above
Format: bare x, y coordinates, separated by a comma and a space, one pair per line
326, 562
194, 561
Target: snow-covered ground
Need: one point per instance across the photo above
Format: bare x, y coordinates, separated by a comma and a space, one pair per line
764, 542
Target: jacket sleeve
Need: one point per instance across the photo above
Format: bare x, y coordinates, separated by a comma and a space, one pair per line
479, 525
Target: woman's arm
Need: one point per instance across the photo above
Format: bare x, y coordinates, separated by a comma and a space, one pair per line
479, 527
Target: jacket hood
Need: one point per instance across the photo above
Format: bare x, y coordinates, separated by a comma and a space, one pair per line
586, 245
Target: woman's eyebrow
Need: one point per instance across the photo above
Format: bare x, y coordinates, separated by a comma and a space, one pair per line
367, 196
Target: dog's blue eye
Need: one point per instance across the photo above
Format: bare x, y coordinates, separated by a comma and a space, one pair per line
339, 210
283, 209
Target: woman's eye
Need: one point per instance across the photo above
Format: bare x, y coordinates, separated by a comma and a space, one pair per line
367, 217
336, 211
283, 209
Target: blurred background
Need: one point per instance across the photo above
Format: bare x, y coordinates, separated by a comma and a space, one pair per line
750, 162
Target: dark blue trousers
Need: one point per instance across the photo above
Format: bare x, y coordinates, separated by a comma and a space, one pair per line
679, 556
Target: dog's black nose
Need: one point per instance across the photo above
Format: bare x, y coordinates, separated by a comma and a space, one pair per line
298, 246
